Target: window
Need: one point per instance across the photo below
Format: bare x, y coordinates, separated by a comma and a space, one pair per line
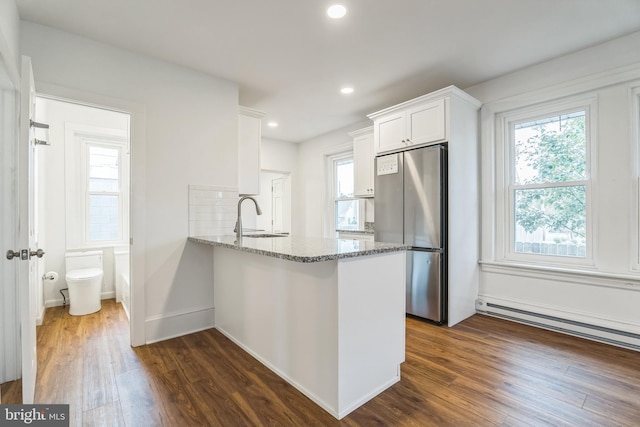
548, 184
347, 211
96, 186
103, 194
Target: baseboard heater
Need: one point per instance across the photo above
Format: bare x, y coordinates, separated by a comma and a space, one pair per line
571, 327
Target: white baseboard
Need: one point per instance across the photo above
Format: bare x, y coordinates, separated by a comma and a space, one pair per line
59, 301
173, 325
40, 316
609, 331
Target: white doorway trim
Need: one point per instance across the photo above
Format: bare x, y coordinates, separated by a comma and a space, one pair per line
137, 214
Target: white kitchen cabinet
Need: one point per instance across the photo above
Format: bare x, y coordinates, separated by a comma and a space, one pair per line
363, 159
413, 123
249, 137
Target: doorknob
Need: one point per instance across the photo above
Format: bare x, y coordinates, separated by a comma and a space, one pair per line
24, 254
37, 253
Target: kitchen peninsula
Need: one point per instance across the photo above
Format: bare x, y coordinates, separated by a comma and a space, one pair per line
327, 315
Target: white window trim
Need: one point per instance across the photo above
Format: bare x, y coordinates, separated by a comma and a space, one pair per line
634, 225
85, 145
77, 139
338, 152
504, 244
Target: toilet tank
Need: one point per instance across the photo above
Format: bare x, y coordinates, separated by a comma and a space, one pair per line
85, 259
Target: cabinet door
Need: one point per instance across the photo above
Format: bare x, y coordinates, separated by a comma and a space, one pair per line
363, 157
426, 123
389, 132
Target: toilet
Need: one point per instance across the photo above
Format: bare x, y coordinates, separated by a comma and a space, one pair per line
84, 280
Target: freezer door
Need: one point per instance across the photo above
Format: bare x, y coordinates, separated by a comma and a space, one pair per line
423, 196
424, 285
388, 203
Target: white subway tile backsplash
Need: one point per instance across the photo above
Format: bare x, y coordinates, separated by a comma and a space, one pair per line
212, 210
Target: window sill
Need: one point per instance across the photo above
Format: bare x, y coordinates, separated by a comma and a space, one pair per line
629, 281
89, 247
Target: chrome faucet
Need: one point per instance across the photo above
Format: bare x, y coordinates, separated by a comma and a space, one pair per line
238, 229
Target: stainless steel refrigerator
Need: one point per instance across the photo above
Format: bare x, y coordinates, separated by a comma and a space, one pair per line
410, 208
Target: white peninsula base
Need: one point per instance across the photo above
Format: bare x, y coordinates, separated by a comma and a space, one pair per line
335, 329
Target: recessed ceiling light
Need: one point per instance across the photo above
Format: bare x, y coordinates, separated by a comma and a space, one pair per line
346, 90
337, 11
272, 124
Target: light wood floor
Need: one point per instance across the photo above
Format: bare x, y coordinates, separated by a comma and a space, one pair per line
483, 372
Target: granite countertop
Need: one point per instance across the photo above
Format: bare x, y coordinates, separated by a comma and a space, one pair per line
302, 249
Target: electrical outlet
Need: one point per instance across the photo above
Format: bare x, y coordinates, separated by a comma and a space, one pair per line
481, 305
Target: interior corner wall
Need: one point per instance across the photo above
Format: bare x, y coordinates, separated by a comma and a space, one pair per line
310, 203
191, 129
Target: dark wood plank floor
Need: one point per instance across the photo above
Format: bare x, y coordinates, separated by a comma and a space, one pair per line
483, 372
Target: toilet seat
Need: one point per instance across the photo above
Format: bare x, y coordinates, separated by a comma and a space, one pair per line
84, 274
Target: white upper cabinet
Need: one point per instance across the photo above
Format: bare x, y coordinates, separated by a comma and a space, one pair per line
389, 133
249, 137
413, 123
426, 123
363, 158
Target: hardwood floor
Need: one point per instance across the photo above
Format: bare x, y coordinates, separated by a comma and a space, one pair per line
483, 372
11, 392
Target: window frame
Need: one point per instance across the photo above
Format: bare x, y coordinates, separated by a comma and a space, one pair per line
78, 138
332, 199
85, 146
507, 187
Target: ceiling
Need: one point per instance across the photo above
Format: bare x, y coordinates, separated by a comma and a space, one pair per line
290, 60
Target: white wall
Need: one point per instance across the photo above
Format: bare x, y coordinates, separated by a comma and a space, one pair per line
310, 206
189, 119
9, 36
51, 188
607, 294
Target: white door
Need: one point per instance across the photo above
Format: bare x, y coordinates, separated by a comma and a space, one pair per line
27, 267
276, 205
